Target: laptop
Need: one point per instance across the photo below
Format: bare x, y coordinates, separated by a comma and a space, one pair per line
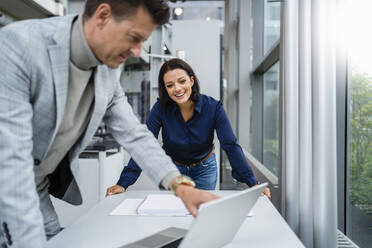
216, 224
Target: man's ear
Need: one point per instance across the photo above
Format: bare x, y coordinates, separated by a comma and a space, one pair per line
103, 14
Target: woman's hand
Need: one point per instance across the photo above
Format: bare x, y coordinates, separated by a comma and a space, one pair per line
267, 192
115, 189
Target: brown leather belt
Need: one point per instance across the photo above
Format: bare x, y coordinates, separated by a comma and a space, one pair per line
196, 163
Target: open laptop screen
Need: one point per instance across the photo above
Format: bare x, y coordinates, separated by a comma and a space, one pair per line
216, 224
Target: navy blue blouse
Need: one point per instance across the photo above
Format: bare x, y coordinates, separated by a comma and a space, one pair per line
189, 142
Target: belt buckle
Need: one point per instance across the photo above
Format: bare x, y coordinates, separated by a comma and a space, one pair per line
192, 165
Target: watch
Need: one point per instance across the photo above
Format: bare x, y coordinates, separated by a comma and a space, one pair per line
181, 180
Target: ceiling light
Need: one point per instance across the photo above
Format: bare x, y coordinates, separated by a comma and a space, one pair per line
178, 11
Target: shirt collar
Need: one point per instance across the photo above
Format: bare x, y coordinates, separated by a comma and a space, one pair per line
198, 105
81, 54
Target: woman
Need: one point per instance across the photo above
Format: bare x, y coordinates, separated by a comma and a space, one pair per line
188, 120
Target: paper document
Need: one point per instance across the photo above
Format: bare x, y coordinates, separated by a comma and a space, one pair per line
127, 207
162, 205
130, 206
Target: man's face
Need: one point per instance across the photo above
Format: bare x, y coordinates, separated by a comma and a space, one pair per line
114, 41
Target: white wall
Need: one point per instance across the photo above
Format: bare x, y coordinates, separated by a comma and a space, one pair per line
200, 40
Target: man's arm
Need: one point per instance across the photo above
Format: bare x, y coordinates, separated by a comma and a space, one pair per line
192, 197
132, 171
19, 202
137, 139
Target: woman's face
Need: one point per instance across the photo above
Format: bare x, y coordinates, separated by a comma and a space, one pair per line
178, 85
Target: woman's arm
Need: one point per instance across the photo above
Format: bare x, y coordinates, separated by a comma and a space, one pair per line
241, 170
132, 171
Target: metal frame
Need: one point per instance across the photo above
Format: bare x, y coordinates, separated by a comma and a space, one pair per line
257, 80
272, 56
342, 100
25, 9
262, 62
157, 42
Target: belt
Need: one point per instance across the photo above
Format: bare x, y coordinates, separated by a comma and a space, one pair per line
196, 163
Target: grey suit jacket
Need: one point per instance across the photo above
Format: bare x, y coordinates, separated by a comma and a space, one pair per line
34, 66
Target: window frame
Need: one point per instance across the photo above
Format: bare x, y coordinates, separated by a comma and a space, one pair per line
342, 115
262, 61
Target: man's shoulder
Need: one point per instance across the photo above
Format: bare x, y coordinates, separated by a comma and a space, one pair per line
35, 30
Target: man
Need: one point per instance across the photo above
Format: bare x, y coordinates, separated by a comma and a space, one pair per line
57, 84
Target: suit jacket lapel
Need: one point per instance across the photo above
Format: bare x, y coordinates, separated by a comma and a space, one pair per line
59, 54
100, 103
59, 57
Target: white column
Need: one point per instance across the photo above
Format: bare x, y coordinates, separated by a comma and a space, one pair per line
305, 118
290, 117
324, 123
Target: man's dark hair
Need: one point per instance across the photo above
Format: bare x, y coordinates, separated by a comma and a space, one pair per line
171, 65
123, 9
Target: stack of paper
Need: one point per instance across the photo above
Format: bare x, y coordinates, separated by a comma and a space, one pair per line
162, 205
127, 207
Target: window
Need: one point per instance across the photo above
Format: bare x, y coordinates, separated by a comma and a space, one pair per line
265, 83
359, 132
272, 24
359, 208
271, 118
265, 87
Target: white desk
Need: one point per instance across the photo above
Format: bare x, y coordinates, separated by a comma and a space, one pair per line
97, 229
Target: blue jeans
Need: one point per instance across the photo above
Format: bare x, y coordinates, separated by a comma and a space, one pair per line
203, 174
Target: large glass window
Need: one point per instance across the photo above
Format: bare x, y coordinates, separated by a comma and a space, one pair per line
359, 169
265, 87
264, 92
271, 118
272, 24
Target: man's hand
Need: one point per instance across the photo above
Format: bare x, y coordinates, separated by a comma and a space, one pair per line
115, 189
192, 198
